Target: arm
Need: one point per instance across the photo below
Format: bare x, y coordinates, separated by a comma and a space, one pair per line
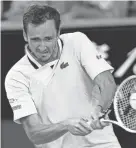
102, 95
104, 89
40, 133
18, 95
100, 72
25, 112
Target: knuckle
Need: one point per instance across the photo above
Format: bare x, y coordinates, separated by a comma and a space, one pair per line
77, 125
80, 121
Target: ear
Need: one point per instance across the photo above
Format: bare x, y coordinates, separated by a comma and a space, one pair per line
25, 36
58, 33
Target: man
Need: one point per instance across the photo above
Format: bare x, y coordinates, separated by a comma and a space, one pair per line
59, 85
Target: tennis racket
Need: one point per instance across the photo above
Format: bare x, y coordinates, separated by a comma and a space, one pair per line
124, 104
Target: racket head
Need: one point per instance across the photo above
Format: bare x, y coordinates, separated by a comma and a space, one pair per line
121, 103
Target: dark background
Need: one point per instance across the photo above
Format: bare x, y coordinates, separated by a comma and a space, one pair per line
121, 40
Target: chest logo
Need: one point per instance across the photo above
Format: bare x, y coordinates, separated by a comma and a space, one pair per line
98, 57
64, 65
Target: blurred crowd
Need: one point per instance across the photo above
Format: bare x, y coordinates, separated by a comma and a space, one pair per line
70, 10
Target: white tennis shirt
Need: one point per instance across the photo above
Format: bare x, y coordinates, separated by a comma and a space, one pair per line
62, 92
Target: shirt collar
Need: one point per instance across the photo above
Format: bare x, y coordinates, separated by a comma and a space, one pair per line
31, 58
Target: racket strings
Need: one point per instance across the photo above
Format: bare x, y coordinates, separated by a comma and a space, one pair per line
126, 112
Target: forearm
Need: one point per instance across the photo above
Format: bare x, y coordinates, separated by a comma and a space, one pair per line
104, 89
107, 95
40, 133
47, 133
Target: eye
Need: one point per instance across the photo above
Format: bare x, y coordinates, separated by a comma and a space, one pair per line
48, 39
35, 39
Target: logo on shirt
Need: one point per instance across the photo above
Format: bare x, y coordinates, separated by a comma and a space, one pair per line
64, 65
98, 57
16, 107
12, 100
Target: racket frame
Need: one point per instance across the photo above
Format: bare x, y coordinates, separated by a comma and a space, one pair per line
119, 122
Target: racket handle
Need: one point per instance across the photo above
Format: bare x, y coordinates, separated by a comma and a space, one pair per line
110, 121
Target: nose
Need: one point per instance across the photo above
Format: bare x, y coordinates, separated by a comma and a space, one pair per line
42, 46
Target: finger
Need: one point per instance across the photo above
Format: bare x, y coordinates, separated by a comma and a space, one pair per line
86, 125
84, 119
96, 124
99, 124
106, 117
81, 131
92, 123
82, 128
76, 130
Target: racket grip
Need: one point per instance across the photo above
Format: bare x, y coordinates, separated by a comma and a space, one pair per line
103, 120
110, 121
106, 114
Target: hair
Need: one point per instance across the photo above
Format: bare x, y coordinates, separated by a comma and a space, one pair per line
38, 14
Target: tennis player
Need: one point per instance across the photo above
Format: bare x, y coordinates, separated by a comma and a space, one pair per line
59, 85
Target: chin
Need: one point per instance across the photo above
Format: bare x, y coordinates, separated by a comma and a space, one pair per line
45, 59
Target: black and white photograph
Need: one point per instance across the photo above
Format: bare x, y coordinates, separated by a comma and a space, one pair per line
68, 74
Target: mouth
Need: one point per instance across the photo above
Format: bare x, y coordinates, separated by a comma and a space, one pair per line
45, 52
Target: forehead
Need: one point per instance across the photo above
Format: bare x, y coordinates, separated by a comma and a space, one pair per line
47, 28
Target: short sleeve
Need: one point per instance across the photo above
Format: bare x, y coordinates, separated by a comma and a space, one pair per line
18, 96
89, 57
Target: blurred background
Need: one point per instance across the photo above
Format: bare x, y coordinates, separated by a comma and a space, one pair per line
110, 24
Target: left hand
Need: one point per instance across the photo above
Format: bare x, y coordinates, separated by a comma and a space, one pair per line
95, 122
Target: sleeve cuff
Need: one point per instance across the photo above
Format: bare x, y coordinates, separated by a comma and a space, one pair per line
23, 110
101, 67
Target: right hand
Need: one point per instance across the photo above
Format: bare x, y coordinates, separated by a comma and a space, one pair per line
79, 126
96, 123
95, 119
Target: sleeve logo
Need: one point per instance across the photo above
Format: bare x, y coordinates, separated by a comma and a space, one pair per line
12, 100
16, 107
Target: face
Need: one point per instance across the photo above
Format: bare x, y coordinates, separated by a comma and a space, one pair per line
42, 40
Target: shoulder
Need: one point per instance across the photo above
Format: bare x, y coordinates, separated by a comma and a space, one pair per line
73, 36
19, 70
22, 65
77, 40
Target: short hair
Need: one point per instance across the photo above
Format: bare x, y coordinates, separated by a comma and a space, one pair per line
38, 14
